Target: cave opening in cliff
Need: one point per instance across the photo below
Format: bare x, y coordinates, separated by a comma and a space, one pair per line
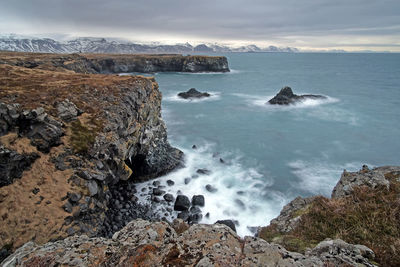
137, 164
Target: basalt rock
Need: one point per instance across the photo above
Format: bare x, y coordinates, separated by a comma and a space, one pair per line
286, 97
142, 243
13, 164
371, 178
193, 93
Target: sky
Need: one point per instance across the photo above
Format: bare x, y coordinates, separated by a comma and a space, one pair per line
350, 25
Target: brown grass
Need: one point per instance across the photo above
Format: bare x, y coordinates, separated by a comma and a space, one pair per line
370, 217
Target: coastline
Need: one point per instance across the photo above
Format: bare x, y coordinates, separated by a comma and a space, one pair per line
91, 191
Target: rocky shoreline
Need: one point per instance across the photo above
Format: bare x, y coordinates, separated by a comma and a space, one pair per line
74, 148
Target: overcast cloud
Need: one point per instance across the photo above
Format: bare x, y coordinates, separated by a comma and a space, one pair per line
308, 24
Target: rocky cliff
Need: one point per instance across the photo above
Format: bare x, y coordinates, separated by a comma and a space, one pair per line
67, 141
111, 63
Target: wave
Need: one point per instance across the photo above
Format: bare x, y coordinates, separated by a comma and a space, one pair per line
243, 194
319, 177
175, 98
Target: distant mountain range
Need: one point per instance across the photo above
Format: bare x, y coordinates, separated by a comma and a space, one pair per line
102, 45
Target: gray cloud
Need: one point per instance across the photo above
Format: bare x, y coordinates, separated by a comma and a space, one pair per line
362, 22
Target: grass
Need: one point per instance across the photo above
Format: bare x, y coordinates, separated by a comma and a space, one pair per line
82, 137
369, 217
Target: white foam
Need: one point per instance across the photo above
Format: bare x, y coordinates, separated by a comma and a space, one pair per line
261, 203
214, 96
319, 177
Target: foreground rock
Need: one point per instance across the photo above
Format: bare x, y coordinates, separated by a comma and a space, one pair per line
193, 93
142, 243
286, 97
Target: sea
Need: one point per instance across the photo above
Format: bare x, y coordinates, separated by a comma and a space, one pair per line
262, 156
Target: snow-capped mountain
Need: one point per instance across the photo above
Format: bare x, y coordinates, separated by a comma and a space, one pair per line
102, 45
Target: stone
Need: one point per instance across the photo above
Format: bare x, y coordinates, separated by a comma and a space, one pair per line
198, 200
169, 197
67, 110
193, 93
187, 180
211, 188
158, 192
13, 164
170, 182
93, 187
182, 203
228, 223
286, 97
75, 197
184, 215
203, 171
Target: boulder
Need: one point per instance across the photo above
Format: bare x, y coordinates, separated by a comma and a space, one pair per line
286, 97
198, 200
182, 203
67, 110
211, 188
193, 93
13, 164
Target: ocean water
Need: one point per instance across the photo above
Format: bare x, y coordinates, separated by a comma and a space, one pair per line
271, 153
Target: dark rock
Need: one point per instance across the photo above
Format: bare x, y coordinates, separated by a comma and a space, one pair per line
195, 210
155, 199
170, 182
203, 171
193, 93
156, 183
221, 160
198, 200
207, 215
194, 176
211, 188
187, 180
184, 215
194, 147
228, 223
169, 197
75, 197
240, 204
182, 203
13, 164
68, 207
158, 192
286, 97
67, 110
195, 218
35, 190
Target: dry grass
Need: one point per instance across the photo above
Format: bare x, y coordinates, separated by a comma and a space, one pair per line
368, 217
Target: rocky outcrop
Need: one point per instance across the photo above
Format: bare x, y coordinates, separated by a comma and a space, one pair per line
13, 164
92, 133
111, 63
291, 213
193, 93
286, 97
371, 178
142, 243
43, 130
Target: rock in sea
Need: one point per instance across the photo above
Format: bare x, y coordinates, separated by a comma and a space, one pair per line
193, 93
286, 97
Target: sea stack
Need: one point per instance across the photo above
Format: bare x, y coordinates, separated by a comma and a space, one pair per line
286, 97
193, 93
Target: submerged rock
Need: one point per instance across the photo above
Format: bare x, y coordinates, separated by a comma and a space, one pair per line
193, 93
286, 97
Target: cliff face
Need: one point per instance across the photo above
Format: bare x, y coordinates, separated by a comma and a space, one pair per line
73, 137
110, 63
142, 243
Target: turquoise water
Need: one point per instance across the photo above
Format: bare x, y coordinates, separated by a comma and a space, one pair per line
273, 154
